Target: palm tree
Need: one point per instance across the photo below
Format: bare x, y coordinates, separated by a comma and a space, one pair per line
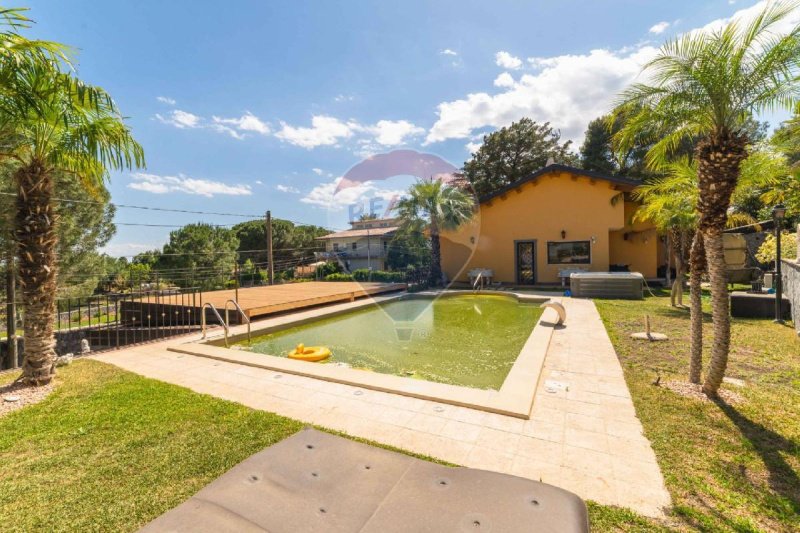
670, 203
52, 124
443, 206
706, 85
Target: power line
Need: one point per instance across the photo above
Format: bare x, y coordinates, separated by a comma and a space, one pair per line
170, 210
147, 208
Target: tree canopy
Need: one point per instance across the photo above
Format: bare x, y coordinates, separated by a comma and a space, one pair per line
291, 243
513, 152
199, 255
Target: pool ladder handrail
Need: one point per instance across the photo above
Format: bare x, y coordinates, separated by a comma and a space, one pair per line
242, 313
478, 279
219, 318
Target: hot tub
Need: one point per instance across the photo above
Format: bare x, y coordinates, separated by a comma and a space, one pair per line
607, 285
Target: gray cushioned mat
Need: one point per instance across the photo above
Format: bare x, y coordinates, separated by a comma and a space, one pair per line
315, 481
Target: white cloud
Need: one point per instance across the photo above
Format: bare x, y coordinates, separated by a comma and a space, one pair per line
472, 146
156, 184
506, 60
659, 27
504, 80
180, 119
259, 182
344, 98
747, 14
324, 131
474, 143
325, 195
166, 100
127, 249
317, 171
236, 126
394, 132
568, 91
448, 52
287, 189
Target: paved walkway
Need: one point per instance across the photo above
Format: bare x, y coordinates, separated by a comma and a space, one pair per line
583, 434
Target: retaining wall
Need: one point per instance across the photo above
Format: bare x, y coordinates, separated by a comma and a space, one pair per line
791, 288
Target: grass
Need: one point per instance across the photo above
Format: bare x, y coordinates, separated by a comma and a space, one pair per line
109, 450
727, 467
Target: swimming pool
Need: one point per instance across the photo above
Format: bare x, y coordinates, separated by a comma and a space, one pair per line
466, 340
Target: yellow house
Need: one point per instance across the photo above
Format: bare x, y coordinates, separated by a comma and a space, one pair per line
557, 220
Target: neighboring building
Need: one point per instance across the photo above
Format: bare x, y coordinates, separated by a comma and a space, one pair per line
364, 246
555, 220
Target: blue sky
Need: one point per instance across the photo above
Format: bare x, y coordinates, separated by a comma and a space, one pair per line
247, 106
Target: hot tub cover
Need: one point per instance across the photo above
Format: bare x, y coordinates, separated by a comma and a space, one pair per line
315, 481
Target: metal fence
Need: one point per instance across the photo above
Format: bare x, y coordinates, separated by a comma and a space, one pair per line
113, 320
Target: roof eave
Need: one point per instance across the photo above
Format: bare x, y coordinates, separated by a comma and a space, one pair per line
624, 184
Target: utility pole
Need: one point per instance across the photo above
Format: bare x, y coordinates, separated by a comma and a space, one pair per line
271, 270
236, 287
369, 259
11, 313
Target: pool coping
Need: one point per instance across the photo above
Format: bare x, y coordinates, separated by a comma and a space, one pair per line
514, 398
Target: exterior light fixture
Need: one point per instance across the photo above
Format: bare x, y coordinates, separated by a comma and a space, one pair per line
778, 213
563, 234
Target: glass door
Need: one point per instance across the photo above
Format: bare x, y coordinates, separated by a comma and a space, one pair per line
526, 262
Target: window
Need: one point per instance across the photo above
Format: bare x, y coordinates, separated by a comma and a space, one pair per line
336, 247
385, 245
354, 246
569, 253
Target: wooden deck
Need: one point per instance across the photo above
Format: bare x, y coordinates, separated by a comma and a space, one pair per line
259, 302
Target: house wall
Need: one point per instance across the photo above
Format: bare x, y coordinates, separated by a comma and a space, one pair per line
540, 210
636, 245
358, 258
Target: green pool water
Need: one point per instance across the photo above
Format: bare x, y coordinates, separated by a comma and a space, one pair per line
468, 340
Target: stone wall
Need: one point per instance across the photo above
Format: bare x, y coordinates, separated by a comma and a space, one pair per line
791, 283
791, 288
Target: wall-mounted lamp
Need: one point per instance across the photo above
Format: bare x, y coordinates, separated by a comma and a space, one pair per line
472, 240
563, 234
594, 239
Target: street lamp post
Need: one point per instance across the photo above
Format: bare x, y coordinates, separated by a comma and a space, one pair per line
778, 212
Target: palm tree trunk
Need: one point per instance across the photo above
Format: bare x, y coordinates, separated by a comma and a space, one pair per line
36, 240
720, 312
676, 293
435, 276
718, 161
697, 264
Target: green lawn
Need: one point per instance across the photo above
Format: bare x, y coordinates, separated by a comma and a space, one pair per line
728, 468
109, 450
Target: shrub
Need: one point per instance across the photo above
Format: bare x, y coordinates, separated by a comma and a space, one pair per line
767, 251
363, 274
331, 267
338, 276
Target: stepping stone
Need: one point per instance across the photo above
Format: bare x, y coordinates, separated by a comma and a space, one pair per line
11, 398
644, 336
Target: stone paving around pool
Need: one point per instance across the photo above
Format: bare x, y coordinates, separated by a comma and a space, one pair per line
583, 434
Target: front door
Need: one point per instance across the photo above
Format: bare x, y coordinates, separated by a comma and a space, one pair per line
526, 262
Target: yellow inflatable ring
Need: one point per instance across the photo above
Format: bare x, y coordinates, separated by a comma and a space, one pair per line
310, 353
